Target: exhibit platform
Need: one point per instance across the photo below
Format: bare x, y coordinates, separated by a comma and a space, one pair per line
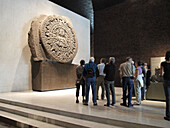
156, 92
56, 109
49, 75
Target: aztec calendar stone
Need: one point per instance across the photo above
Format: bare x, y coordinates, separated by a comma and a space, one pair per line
58, 38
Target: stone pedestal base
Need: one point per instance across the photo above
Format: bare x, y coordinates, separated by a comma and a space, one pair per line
52, 76
156, 92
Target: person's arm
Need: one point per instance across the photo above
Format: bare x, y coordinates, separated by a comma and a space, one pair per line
104, 71
84, 71
97, 72
120, 73
149, 74
77, 73
136, 73
134, 70
161, 70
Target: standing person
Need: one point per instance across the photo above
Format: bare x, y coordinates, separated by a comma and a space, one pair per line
148, 77
91, 72
134, 69
165, 66
145, 67
109, 70
144, 81
100, 79
138, 83
80, 80
126, 74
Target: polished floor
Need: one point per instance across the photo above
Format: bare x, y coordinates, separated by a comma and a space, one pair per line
149, 112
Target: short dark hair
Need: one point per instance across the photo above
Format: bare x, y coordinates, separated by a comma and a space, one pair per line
139, 63
149, 67
142, 63
103, 60
82, 62
167, 56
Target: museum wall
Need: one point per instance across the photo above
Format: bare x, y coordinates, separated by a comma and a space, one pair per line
136, 28
16, 17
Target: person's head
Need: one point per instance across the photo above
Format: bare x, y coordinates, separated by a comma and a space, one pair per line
139, 63
142, 64
167, 56
91, 59
145, 64
102, 60
149, 67
82, 62
129, 59
111, 60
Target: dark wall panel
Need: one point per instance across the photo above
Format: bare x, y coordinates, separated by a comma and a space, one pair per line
136, 28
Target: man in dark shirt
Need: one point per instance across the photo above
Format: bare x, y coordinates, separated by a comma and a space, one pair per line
109, 70
91, 72
148, 76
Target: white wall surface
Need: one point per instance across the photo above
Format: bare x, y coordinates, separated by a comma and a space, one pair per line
155, 63
15, 22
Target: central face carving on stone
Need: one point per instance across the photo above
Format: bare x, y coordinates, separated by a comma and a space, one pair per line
58, 38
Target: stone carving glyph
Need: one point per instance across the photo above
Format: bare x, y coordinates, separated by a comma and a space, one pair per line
53, 38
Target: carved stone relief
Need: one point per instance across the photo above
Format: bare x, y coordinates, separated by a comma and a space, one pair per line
53, 38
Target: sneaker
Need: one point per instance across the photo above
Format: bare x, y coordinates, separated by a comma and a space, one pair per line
136, 103
85, 103
107, 105
77, 101
95, 104
112, 104
122, 104
130, 105
166, 118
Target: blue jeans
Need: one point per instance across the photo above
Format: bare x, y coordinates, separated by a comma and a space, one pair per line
127, 81
109, 85
167, 94
92, 82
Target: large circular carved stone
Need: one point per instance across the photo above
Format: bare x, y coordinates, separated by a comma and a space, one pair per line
59, 39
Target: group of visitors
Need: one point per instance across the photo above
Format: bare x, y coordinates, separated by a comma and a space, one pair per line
90, 74
134, 76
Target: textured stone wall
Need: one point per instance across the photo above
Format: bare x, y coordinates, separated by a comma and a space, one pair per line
136, 28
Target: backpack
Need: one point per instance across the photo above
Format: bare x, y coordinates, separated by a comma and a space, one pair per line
90, 72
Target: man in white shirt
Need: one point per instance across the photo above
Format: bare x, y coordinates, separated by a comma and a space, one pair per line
100, 79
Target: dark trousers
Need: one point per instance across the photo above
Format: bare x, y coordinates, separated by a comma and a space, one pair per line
147, 83
109, 85
167, 95
82, 82
127, 82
